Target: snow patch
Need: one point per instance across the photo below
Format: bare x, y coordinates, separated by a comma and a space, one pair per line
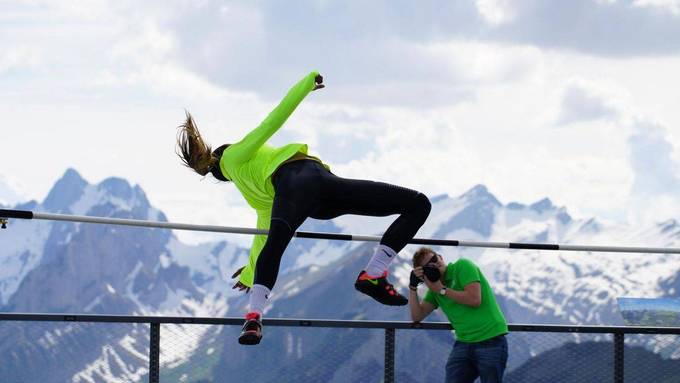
102, 369
20, 253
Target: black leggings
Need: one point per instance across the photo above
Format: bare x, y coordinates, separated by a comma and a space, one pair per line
305, 188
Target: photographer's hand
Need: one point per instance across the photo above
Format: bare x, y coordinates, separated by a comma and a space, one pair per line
414, 281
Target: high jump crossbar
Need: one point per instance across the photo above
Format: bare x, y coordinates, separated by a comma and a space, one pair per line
5, 215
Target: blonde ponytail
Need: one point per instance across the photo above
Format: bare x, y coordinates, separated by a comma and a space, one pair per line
192, 150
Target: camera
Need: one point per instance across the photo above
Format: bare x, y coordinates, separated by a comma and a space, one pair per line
431, 272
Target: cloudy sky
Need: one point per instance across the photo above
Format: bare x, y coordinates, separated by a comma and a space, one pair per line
574, 100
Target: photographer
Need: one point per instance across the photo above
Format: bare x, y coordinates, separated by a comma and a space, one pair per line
464, 295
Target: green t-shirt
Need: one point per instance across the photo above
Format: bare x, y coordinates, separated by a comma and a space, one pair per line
471, 324
250, 163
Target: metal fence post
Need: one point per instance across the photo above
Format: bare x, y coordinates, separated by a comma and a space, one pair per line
154, 353
389, 355
618, 357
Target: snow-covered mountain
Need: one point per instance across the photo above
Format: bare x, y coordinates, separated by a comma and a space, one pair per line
64, 267
80, 268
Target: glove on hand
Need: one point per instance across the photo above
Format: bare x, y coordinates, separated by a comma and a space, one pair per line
414, 281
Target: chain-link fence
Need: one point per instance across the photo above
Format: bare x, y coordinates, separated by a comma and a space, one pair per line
197, 353
652, 358
560, 357
67, 348
78, 352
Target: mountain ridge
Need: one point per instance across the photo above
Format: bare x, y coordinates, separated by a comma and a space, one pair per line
68, 267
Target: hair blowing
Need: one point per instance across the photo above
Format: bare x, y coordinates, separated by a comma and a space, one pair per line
192, 150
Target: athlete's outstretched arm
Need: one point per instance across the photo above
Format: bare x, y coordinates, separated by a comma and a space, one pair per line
246, 274
243, 150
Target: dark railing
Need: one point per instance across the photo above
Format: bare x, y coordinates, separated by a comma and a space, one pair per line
390, 328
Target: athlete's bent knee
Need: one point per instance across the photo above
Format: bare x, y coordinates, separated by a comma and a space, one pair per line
421, 206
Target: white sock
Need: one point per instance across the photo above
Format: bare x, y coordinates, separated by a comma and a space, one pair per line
258, 298
380, 261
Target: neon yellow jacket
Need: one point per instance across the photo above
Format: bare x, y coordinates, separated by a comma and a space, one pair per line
250, 163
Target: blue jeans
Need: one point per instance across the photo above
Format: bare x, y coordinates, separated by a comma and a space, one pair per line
486, 360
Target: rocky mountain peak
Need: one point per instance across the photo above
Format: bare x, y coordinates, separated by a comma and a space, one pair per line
65, 192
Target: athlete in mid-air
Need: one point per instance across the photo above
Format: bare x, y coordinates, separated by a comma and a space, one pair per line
285, 185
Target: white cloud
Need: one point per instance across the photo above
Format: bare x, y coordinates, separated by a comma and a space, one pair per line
237, 48
434, 97
17, 58
671, 5
11, 192
650, 195
651, 156
580, 104
602, 28
496, 12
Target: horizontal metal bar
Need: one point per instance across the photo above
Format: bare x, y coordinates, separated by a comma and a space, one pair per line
533, 246
293, 322
20, 214
621, 249
147, 224
331, 236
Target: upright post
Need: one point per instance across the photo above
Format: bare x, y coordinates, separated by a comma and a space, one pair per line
618, 357
389, 355
154, 353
